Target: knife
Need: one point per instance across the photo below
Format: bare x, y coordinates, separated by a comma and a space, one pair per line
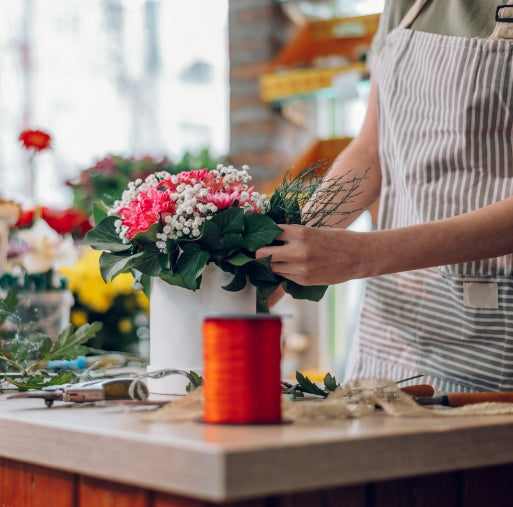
460, 399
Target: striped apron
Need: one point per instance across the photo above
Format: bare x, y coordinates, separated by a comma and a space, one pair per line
445, 131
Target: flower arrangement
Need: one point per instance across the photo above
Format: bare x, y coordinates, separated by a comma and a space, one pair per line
172, 225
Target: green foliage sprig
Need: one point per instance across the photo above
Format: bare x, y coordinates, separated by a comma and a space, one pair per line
306, 386
25, 351
288, 202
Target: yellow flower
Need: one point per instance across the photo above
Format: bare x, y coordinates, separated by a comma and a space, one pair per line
78, 318
86, 282
124, 325
314, 375
142, 300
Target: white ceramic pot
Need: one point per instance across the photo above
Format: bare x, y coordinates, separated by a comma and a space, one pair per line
176, 319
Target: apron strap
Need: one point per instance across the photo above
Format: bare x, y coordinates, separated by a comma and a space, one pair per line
413, 13
504, 22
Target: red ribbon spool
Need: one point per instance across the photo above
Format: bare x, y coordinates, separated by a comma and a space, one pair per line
241, 378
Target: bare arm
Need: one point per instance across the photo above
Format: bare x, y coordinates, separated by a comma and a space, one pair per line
359, 158
312, 256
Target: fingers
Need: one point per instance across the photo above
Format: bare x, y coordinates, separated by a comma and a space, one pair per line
278, 251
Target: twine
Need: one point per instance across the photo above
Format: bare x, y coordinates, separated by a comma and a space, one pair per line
354, 399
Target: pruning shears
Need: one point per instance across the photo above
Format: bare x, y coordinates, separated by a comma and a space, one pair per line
94, 390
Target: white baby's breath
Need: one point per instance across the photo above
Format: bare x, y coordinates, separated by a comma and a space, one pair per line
192, 200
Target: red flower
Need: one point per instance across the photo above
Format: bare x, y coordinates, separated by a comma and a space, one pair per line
37, 140
26, 219
66, 221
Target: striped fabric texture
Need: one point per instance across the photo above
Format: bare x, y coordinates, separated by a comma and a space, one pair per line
446, 148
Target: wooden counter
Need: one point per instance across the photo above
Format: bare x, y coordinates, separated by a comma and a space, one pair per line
110, 455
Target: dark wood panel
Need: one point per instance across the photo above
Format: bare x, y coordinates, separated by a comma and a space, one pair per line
353, 496
440, 490
166, 500
491, 486
26, 485
98, 493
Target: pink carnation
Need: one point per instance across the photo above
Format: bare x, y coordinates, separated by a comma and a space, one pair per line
192, 177
222, 200
145, 210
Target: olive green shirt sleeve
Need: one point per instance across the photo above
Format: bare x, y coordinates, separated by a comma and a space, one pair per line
461, 18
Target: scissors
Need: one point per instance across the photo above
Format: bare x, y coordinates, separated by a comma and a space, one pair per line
94, 390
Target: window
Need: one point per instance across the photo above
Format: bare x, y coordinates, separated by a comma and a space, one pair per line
132, 77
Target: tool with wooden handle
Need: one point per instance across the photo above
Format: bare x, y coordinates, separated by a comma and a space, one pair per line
420, 390
460, 399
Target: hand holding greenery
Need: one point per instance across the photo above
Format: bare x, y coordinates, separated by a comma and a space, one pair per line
172, 225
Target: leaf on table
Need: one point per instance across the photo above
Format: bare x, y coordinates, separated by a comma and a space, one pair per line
41, 381
308, 386
330, 382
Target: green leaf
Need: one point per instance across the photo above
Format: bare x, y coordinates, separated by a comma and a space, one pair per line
195, 381
112, 264
46, 346
284, 207
172, 279
8, 304
211, 235
262, 301
168, 261
149, 236
260, 274
100, 211
148, 261
310, 292
191, 264
230, 243
69, 343
330, 382
40, 381
105, 237
239, 259
238, 282
259, 231
229, 221
308, 386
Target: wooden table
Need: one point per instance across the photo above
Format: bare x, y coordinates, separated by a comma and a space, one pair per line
77, 455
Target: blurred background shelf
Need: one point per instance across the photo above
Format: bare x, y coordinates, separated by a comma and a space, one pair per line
319, 51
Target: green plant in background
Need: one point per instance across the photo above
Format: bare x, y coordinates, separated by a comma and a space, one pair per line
109, 176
